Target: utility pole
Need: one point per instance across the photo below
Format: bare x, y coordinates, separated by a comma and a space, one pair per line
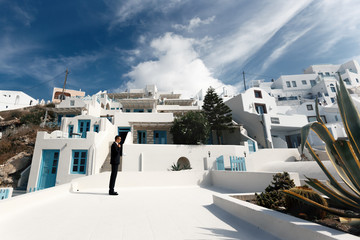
63, 91
244, 80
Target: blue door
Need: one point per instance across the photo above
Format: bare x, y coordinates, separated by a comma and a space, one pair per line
122, 132
159, 137
251, 145
48, 169
84, 126
141, 137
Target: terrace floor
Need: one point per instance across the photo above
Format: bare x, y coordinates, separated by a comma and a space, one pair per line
136, 213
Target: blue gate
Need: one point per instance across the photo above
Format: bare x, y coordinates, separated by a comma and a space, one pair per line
48, 169
220, 163
237, 164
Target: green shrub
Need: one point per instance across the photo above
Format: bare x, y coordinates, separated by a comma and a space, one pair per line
179, 167
273, 198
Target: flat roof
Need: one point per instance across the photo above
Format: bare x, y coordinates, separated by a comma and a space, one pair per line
184, 212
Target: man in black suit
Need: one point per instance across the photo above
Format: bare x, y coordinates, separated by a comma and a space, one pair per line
116, 153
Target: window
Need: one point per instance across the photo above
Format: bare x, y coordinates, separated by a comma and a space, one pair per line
71, 130
257, 94
332, 88
112, 109
327, 73
275, 120
141, 137
79, 159
159, 137
357, 80
96, 128
312, 83
336, 118
332, 100
138, 110
149, 110
303, 82
321, 74
72, 102
293, 83
347, 81
309, 107
313, 118
260, 108
127, 110
84, 126
288, 84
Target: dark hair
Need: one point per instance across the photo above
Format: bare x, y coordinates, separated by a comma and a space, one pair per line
116, 137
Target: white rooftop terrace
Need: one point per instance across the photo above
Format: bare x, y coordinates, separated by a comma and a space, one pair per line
144, 209
151, 205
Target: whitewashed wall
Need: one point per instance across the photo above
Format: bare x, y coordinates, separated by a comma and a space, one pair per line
158, 157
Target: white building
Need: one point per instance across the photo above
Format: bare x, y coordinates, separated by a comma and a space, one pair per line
264, 121
294, 96
10, 100
142, 117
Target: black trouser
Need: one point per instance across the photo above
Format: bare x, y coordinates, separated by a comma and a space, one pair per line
114, 171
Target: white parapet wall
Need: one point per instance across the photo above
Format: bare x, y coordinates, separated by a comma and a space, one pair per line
246, 181
144, 179
278, 224
153, 157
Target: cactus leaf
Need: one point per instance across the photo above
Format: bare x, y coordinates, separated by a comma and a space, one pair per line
333, 181
338, 198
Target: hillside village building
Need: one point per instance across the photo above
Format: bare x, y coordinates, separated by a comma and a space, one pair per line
274, 112
60, 94
142, 117
10, 100
268, 116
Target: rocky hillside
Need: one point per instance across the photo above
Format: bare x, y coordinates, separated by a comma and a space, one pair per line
19, 129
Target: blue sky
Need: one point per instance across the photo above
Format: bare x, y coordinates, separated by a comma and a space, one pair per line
180, 46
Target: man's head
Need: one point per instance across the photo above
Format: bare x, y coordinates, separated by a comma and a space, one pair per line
118, 139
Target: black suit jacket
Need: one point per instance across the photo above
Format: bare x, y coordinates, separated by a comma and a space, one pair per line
116, 152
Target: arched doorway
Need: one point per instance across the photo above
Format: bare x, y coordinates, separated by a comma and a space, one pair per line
183, 163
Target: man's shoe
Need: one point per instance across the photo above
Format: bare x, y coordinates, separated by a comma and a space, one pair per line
113, 193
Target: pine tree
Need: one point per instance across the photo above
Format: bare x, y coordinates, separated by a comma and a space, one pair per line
217, 113
192, 128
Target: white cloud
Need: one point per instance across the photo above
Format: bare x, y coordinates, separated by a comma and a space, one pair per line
125, 10
177, 67
194, 23
25, 16
19, 59
250, 35
288, 40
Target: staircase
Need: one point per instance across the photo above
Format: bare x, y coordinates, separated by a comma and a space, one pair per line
106, 167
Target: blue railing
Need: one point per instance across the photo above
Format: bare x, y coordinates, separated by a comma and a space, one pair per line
4, 193
237, 164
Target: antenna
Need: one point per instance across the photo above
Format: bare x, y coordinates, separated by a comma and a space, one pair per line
244, 80
62, 95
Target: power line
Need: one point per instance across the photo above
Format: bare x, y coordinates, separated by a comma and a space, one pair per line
52, 79
260, 75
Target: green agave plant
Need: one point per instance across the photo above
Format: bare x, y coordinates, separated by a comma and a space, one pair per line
344, 156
